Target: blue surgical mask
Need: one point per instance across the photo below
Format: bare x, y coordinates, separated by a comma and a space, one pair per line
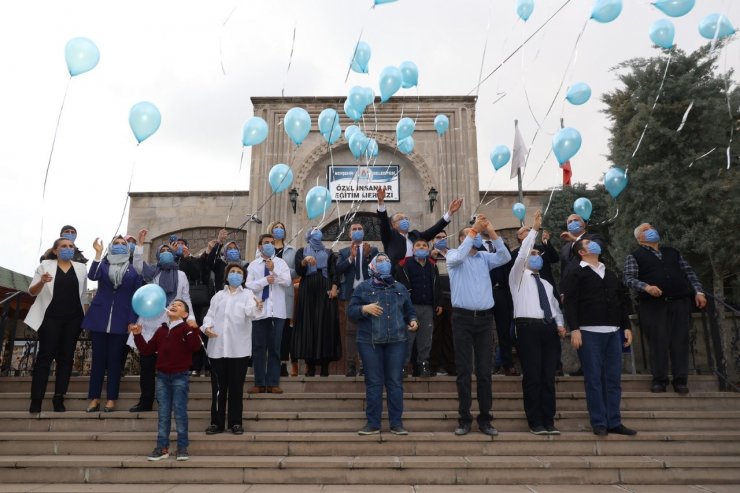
383, 268
131, 247
235, 279
478, 241
404, 224
441, 244
118, 249
166, 258
278, 233
651, 235
66, 253
535, 262
357, 235
574, 227
70, 236
316, 234
232, 255
594, 248
268, 249
421, 253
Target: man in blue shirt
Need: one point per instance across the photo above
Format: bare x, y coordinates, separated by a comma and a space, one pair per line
472, 319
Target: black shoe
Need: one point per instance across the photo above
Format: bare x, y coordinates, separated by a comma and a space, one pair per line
237, 430
58, 403
35, 406
404, 373
213, 430
310, 370
488, 430
600, 431
657, 388
399, 430
425, 371
622, 430
351, 371
463, 429
577, 373
140, 408
368, 430
551, 430
538, 430
283, 370
681, 389
324, 371
361, 372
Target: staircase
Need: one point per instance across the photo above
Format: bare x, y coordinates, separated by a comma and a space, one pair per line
307, 436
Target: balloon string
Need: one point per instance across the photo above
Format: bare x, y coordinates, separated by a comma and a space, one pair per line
221, 39
273, 193
703, 156
485, 47
729, 108
290, 60
508, 57
128, 192
233, 196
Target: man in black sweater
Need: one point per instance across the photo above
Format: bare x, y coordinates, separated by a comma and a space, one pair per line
664, 283
596, 308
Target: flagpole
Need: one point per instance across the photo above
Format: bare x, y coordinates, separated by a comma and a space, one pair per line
519, 176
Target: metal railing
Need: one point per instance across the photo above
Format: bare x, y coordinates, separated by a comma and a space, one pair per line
717, 358
8, 330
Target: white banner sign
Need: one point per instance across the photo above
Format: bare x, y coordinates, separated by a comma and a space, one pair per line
350, 183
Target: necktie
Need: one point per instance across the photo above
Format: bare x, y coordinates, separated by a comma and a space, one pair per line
358, 264
489, 243
266, 289
544, 302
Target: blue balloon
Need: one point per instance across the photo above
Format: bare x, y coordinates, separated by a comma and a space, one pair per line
405, 128
606, 10
500, 155
519, 211
318, 200
81, 55
615, 181
582, 206
406, 146
380, 2
372, 148
361, 57
409, 74
441, 124
358, 143
358, 98
297, 124
716, 26
280, 177
662, 33
350, 131
254, 131
369, 96
578, 93
336, 133
565, 144
144, 119
328, 119
351, 112
390, 82
524, 9
149, 301
674, 8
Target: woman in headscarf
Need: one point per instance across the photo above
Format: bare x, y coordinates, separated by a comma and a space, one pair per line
221, 253
384, 313
59, 286
316, 327
228, 325
287, 253
175, 285
108, 319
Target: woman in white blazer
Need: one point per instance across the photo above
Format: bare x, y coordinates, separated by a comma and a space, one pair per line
228, 325
59, 285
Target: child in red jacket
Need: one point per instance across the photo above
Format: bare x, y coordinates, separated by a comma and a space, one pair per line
174, 342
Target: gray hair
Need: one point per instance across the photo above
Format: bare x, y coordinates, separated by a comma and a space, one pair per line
637, 231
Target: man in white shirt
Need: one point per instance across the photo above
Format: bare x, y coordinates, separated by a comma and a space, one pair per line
268, 277
539, 327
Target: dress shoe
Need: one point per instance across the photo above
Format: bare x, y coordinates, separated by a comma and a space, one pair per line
93, 408
237, 430
35, 406
682, 389
511, 372
256, 390
58, 403
273, 390
324, 370
488, 430
310, 370
283, 370
425, 370
294, 369
577, 373
463, 429
600, 431
657, 388
538, 430
361, 372
622, 430
140, 408
351, 371
110, 406
213, 430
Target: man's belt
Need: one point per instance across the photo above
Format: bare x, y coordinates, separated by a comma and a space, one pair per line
473, 313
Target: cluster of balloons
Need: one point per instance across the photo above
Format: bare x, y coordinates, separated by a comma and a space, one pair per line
149, 301
441, 124
144, 119
663, 32
254, 131
81, 55
500, 156
361, 58
583, 207
297, 124
280, 177
359, 143
318, 200
404, 131
329, 126
393, 78
357, 100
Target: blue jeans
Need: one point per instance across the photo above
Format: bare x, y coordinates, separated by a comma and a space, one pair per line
383, 367
172, 392
601, 358
266, 337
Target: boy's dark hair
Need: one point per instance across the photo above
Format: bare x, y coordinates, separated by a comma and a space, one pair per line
229, 267
263, 236
185, 304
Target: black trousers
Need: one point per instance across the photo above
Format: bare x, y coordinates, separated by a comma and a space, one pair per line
57, 341
538, 346
473, 339
666, 324
443, 348
146, 378
227, 384
503, 314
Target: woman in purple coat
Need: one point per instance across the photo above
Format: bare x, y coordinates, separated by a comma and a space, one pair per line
109, 317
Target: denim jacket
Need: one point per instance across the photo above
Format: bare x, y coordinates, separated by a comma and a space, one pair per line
391, 325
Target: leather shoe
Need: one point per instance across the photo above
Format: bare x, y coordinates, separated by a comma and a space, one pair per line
213, 430
256, 390
237, 429
463, 429
273, 390
488, 430
622, 430
140, 408
681, 389
657, 388
600, 431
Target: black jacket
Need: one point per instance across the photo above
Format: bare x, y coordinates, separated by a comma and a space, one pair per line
401, 274
394, 243
570, 260
591, 301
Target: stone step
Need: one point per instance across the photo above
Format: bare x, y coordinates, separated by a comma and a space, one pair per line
331, 444
341, 384
458, 470
349, 421
419, 401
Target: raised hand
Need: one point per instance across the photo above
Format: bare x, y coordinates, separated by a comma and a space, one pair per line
381, 195
454, 206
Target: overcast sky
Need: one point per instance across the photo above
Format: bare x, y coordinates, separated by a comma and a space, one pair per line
171, 53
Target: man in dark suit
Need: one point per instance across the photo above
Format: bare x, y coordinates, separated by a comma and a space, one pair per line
395, 233
352, 265
569, 258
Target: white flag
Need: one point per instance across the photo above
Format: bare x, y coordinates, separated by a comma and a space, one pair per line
519, 156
